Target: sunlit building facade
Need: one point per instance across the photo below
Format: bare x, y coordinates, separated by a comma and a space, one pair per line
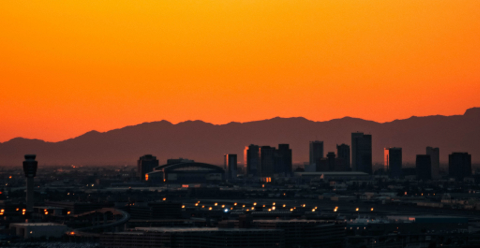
393, 162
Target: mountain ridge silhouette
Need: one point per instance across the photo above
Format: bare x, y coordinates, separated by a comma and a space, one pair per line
206, 142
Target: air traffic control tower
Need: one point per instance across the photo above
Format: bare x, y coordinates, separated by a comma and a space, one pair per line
30, 169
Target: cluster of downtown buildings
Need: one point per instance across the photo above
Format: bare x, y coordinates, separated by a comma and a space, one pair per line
267, 162
427, 165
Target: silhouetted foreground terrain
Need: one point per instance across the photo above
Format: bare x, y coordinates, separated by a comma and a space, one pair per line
207, 142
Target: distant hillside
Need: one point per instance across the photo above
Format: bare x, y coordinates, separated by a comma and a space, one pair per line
207, 142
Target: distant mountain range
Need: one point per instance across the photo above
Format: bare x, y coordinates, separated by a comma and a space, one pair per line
206, 142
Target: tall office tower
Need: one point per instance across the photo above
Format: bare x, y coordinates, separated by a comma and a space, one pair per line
146, 164
423, 165
362, 152
331, 161
459, 165
230, 166
30, 170
316, 151
251, 156
393, 162
435, 157
267, 161
343, 154
283, 160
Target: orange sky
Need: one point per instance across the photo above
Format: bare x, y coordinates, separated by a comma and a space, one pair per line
69, 66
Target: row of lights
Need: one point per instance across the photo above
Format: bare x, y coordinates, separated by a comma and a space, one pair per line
235, 204
336, 209
273, 208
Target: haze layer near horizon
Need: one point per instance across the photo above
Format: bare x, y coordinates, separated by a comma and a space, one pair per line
68, 67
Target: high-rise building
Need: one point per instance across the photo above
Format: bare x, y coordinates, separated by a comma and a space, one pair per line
267, 161
145, 165
316, 151
230, 164
423, 165
331, 161
459, 165
435, 157
283, 160
393, 162
362, 152
251, 156
343, 154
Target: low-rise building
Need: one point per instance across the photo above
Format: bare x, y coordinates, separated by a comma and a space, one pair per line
38, 230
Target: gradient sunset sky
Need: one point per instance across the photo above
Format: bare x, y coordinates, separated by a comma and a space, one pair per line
68, 67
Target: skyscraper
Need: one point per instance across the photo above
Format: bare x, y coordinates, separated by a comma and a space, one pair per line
393, 162
331, 161
435, 157
145, 165
283, 160
230, 164
251, 156
423, 165
362, 152
316, 151
267, 161
343, 154
459, 165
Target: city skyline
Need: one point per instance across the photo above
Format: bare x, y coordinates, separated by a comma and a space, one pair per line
150, 138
